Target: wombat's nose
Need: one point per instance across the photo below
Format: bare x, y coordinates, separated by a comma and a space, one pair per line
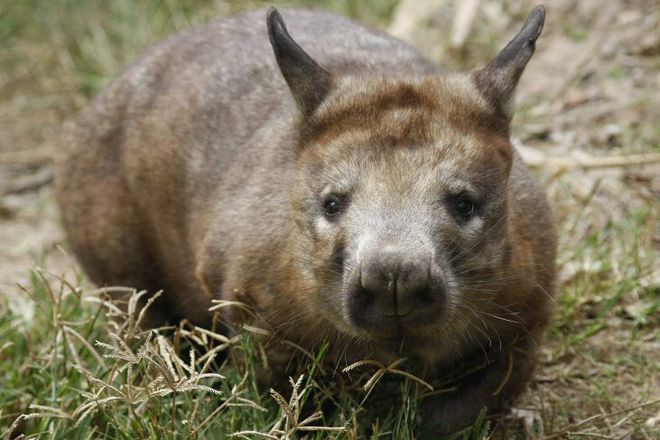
392, 284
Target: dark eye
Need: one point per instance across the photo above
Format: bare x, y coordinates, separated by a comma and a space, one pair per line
464, 208
331, 206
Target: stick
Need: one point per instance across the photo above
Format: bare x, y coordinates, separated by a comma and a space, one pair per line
28, 158
590, 162
409, 14
463, 22
600, 416
29, 183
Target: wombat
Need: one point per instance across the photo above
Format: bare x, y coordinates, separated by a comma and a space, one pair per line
345, 187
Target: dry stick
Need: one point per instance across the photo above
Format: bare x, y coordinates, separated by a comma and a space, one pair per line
27, 158
409, 14
565, 163
463, 22
600, 111
601, 416
29, 183
592, 435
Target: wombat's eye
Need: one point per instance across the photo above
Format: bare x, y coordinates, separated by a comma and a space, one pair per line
331, 206
464, 208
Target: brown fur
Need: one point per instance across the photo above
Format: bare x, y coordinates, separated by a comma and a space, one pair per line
201, 171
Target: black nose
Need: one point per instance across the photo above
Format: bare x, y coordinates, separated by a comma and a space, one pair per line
393, 284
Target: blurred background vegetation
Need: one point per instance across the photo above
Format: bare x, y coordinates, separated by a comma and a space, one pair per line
55, 54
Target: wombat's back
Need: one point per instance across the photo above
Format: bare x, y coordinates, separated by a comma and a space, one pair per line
195, 121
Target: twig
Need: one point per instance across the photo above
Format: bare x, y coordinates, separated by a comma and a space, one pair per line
463, 22
29, 183
590, 162
592, 435
28, 158
600, 416
408, 15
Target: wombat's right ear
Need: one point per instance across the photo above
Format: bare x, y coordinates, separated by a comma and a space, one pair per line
308, 81
497, 81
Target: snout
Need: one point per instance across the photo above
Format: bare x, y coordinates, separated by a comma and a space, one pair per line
392, 287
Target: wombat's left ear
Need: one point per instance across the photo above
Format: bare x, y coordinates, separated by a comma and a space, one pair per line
497, 81
308, 81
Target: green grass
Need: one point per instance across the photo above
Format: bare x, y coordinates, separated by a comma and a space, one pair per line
71, 371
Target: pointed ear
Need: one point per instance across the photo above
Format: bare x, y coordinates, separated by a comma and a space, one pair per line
497, 81
308, 81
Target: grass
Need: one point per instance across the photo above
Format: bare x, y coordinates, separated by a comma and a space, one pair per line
81, 368
69, 369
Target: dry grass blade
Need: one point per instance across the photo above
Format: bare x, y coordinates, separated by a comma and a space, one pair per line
257, 330
86, 344
246, 434
384, 369
86, 409
569, 429
283, 404
112, 308
463, 22
123, 351
221, 304
289, 421
5, 346
236, 391
133, 303
213, 335
46, 411
322, 428
212, 353
28, 158
170, 357
29, 183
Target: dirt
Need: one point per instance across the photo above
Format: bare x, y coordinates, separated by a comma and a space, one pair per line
30, 234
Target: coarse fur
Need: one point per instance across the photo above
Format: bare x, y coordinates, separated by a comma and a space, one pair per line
338, 181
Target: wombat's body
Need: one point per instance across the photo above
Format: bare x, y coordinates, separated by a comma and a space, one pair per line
199, 172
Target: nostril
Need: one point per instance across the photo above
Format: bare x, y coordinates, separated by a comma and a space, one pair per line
426, 296
363, 297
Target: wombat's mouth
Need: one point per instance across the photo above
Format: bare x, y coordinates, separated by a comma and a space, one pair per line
414, 321
398, 315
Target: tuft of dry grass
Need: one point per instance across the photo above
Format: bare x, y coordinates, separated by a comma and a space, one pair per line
81, 366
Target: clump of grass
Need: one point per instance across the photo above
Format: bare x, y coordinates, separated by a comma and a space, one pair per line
82, 367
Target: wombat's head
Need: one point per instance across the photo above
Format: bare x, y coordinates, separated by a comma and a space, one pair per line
401, 189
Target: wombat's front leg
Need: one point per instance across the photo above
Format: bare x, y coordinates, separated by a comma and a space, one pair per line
492, 388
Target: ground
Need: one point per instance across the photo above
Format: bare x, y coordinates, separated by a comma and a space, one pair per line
588, 122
